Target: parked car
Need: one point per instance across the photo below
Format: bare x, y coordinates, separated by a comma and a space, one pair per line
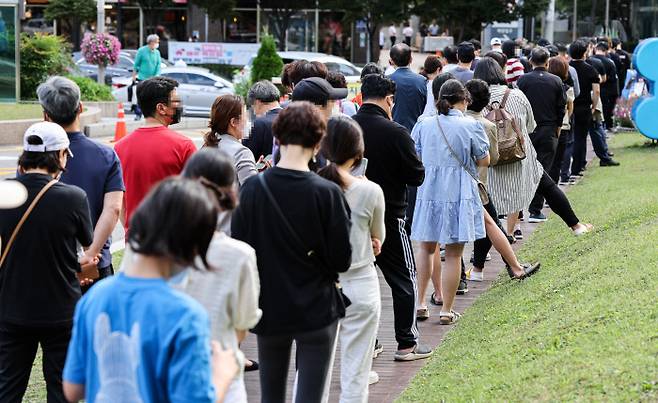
123, 67
198, 89
36, 25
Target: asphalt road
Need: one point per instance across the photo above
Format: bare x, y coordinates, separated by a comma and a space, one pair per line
9, 158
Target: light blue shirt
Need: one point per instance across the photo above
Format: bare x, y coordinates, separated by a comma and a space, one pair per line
139, 340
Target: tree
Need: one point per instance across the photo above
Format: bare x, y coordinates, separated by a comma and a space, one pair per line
282, 12
267, 63
42, 56
71, 14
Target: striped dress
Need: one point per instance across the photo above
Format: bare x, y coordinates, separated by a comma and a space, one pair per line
512, 186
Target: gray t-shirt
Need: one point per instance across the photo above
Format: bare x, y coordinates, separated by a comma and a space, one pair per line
462, 74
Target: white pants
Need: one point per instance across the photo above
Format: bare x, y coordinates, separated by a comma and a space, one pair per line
358, 331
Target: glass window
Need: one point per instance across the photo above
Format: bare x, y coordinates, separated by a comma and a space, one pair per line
7, 54
348, 70
125, 63
198, 79
180, 77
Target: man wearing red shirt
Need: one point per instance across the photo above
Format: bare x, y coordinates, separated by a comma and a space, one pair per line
153, 152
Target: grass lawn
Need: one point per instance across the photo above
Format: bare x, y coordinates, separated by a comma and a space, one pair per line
20, 111
586, 327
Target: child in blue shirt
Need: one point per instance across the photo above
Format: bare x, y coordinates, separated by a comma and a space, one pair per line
135, 339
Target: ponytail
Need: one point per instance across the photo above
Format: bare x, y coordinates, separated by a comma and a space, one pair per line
211, 139
443, 106
452, 92
330, 172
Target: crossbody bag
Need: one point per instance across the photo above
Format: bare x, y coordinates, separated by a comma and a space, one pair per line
482, 189
342, 300
27, 213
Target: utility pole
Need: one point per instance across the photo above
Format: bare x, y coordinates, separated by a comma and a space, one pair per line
100, 28
607, 17
258, 22
549, 27
574, 29
317, 25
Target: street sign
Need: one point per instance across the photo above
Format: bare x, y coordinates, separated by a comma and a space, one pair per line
234, 54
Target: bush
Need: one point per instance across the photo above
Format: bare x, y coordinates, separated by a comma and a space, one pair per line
42, 56
267, 63
90, 90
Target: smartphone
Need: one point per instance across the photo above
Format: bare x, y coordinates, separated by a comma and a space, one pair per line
262, 165
360, 170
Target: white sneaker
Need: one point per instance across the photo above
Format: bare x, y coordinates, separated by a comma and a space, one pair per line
373, 377
473, 275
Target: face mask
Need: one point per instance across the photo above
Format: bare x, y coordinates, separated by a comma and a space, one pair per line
157, 45
178, 113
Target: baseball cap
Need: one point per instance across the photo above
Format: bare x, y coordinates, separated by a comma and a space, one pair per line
317, 90
496, 41
12, 194
53, 138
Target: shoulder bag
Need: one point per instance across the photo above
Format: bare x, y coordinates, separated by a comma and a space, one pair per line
22, 220
482, 189
342, 301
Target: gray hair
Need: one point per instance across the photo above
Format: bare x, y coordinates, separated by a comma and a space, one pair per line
152, 38
60, 99
263, 91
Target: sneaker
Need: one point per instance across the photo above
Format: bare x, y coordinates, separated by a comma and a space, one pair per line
373, 378
521, 216
609, 163
378, 349
442, 252
518, 234
536, 218
463, 287
418, 353
422, 314
473, 275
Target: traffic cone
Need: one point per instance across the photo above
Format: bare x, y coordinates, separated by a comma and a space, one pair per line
120, 128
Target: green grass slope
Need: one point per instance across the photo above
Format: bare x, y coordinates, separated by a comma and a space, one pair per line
585, 328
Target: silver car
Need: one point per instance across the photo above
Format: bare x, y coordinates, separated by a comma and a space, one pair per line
198, 89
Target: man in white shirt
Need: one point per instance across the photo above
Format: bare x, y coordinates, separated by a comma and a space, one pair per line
392, 33
408, 32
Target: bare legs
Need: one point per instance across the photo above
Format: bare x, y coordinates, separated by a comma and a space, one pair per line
450, 274
428, 266
512, 219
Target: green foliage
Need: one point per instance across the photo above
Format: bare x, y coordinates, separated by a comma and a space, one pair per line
267, 63
42, 56
242, 87
584, 327
82, 10
90, 90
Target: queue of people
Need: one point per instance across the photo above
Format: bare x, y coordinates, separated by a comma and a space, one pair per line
278, 226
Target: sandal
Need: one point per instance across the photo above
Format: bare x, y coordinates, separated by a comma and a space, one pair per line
422, 313
252, 367
448, 318
434, 301
528, 270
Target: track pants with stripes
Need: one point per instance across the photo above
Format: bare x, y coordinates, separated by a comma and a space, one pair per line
399, 268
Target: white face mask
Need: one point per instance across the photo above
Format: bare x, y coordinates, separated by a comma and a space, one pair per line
157, 45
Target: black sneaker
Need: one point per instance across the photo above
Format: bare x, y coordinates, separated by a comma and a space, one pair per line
378, 349
609, 163
518, 234
536, 218
521, 217
463, 287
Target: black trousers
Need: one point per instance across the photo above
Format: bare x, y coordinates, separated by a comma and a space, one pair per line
482, 246
407, 40
608, 102
545, 141
18, 348
562, 143
393, 37
314, 352
399, 268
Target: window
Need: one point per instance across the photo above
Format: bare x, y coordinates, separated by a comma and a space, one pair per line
198, 79
348, 70
125, 63
180, 77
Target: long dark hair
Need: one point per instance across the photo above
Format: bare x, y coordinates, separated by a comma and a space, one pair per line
343, 141
432, 65
225, 108
489, 71
175, 221
452, 92
214, 169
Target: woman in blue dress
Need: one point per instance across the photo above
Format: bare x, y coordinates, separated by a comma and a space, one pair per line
449, 211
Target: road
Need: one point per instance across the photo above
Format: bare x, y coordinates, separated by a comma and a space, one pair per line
9, 158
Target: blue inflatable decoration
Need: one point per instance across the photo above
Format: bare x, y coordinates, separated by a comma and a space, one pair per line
645, 111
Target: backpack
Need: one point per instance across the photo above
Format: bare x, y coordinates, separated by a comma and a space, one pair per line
510, 138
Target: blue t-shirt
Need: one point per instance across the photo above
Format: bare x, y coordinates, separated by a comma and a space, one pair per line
94, 168
139, 340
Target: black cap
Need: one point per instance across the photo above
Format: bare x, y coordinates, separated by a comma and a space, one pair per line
317, 91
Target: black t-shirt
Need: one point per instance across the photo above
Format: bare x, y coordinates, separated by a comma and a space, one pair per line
597, 64
610, 86
38, 282
586, 77
296, 295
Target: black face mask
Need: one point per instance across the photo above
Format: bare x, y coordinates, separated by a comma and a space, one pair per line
178, 113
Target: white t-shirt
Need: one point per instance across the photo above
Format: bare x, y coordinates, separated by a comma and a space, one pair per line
392, 30
408, 31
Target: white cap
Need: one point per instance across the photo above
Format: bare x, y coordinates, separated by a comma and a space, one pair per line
53, 138
496, 41
12, 194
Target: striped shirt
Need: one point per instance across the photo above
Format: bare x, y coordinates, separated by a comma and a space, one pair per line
513, 70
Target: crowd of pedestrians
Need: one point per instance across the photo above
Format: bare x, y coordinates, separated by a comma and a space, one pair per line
278, 225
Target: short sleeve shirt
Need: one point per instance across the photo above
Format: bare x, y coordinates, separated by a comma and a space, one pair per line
94, 168
148, 155
587, 76
139, 338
